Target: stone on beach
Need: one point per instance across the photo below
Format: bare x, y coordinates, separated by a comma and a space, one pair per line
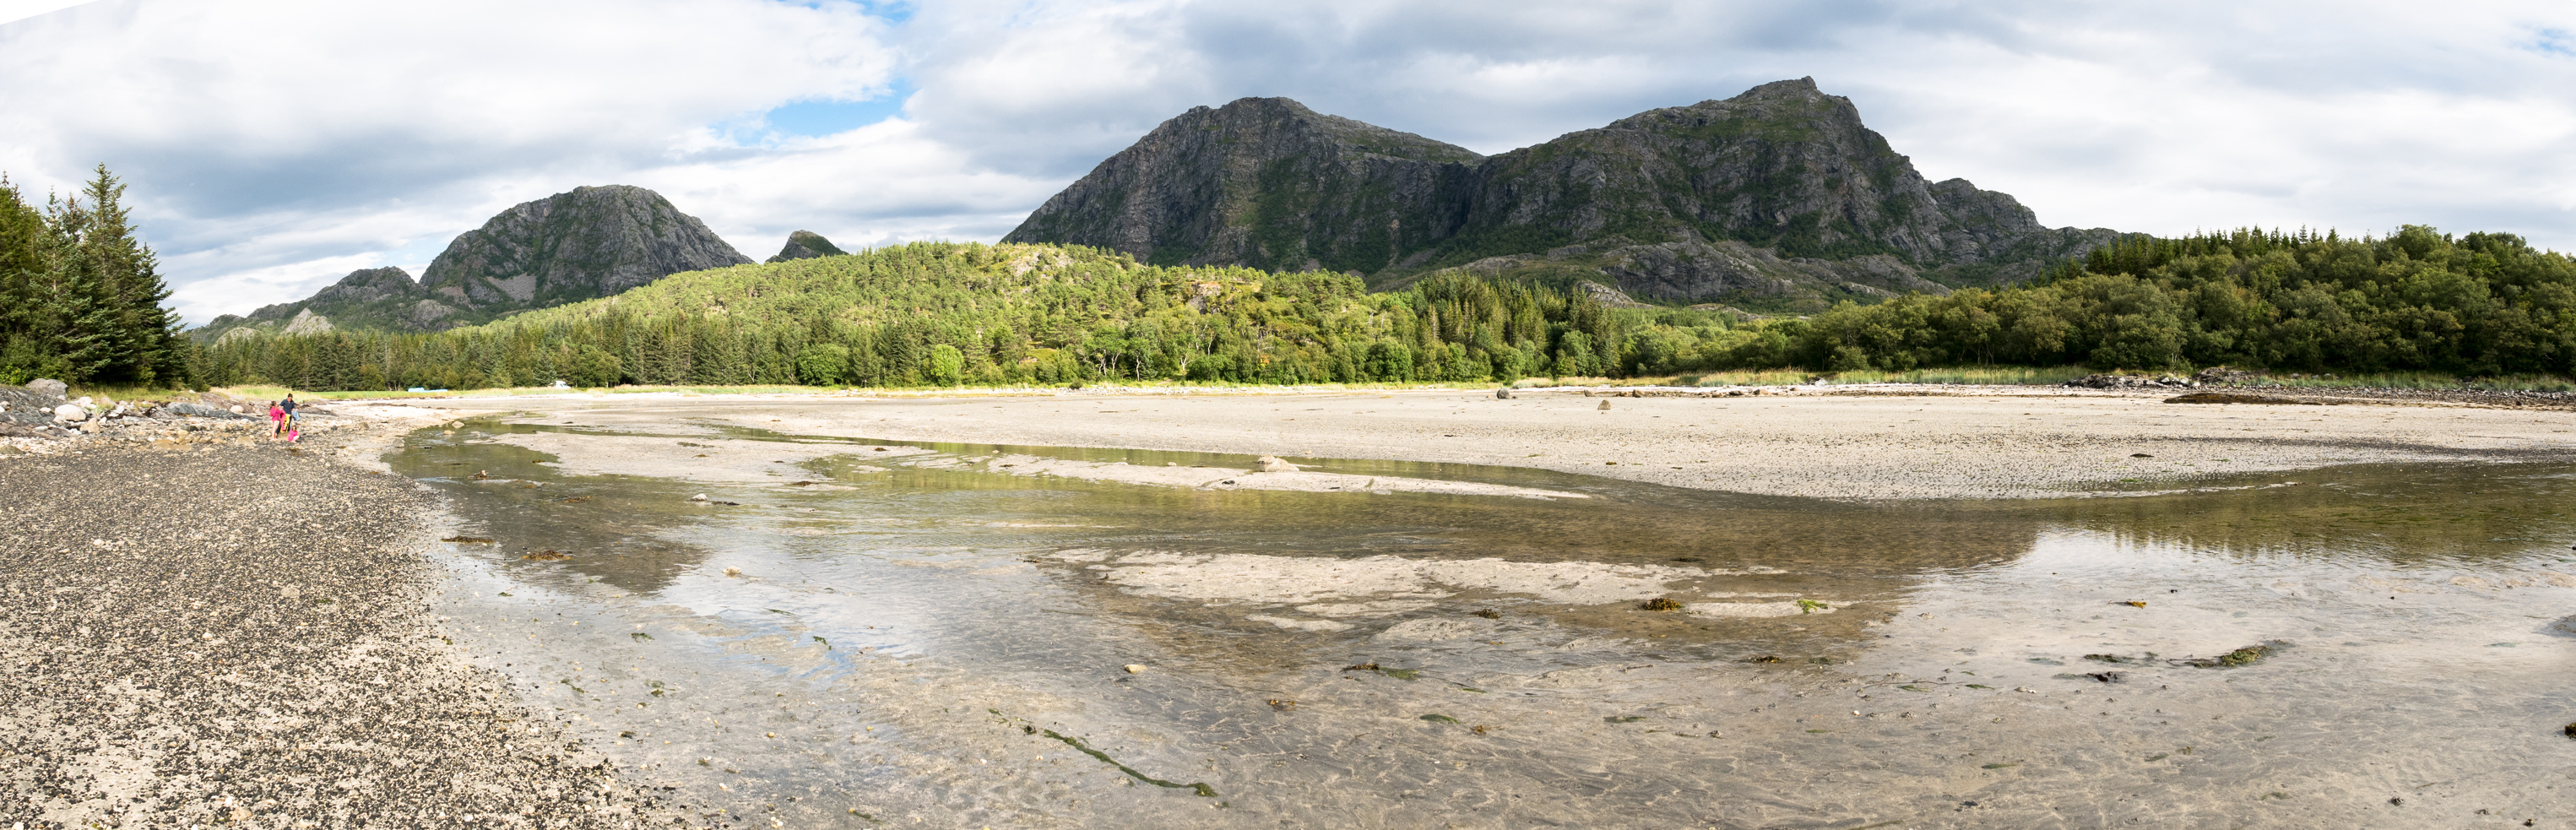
1274, 464
70, 413
47, 386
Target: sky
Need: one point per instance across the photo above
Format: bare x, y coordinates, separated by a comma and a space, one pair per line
271, 147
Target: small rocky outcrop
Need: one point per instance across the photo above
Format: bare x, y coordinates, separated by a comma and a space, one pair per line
49, 387
2115, 381
806, 245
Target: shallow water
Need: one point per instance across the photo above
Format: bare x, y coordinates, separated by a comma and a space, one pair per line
919, 636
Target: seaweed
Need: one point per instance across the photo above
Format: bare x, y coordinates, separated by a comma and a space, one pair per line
2246, 656
1660, 604
1078, 746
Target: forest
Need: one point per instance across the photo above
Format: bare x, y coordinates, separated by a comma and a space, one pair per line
941, 314
80, 294
81, 300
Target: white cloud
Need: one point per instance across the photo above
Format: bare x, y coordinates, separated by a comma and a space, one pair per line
275, 145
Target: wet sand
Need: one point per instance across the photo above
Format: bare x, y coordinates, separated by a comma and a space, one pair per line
1841, 443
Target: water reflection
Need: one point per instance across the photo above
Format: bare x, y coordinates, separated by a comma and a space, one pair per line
903, 631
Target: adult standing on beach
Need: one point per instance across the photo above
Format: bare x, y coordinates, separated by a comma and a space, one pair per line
286, 419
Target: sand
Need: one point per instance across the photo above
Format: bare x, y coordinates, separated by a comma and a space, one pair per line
1882, 443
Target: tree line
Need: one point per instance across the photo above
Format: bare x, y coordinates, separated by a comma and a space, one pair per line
939, 314
80, 295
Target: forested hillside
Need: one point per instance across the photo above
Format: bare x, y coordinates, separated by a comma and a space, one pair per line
80, 296
942, 313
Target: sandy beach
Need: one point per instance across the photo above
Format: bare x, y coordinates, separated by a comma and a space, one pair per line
1882, 443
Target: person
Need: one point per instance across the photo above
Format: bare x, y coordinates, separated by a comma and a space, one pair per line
286, 420
276, 419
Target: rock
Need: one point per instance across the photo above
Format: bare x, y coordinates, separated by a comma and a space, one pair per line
1605, 405
806, 245
1504, 393
51, 388
1273, 464
194, 409
290, 592
70, 413
1136, 668
698, 497
237, 409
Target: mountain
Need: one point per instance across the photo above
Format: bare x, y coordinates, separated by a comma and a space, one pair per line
806, 245
1775, 198
586, 243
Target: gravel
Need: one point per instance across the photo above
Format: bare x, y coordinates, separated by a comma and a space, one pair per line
236, 634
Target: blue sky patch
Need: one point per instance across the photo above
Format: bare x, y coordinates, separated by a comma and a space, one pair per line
821, 118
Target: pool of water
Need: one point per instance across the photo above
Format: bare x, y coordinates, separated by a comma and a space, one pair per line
919, 635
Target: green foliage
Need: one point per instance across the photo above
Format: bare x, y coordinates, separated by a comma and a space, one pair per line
80, 296
941, 314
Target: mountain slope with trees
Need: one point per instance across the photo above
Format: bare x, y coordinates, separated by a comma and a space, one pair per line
937, 314
1778, 198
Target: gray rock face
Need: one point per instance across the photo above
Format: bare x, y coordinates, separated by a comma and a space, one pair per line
70, 413
1783, 169
48, 386
199, 410
806, 245
590, 242
1264, 182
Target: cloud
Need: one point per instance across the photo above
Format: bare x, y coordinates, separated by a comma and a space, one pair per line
272, 146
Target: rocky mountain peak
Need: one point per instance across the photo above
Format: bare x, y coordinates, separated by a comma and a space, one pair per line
1785, 169
584, 243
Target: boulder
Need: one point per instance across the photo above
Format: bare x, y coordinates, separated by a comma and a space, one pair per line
54, 388
1273, 464
199, 410
1504, 393
70, 413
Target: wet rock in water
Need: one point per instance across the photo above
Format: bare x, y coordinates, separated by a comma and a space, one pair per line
547, 555
2246, 656
1273, 464
1660, 604
1136, 668
70, 413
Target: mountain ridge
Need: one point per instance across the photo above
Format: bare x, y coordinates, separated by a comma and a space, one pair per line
1782, 168
588, 242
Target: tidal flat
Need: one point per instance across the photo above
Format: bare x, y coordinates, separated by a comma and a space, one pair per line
1109, 610
778, 613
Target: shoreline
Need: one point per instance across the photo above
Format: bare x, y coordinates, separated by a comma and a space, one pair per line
207, 627
1886, 443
